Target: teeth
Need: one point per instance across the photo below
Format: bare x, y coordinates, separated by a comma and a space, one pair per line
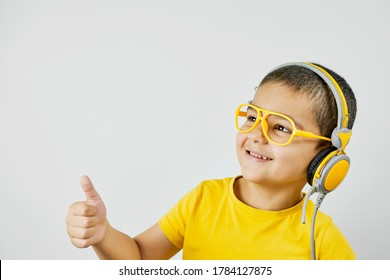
259, 156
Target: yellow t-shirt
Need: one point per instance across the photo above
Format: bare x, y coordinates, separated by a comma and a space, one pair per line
210, 222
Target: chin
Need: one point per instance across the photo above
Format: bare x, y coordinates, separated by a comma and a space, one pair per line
254, 177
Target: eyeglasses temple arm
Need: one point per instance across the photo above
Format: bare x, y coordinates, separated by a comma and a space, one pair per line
310, 135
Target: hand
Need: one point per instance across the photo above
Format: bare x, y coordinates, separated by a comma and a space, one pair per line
86, 221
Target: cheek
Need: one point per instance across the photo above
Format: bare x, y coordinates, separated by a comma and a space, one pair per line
240, 140
296, 159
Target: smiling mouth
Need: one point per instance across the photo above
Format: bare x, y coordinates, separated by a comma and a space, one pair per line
258, 156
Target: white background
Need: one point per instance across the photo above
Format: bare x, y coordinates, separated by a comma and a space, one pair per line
140, 96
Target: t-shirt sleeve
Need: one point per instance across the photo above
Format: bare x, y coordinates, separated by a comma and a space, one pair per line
334, 245
174, 222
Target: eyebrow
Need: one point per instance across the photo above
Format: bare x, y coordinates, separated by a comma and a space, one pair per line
251, 109
297, 123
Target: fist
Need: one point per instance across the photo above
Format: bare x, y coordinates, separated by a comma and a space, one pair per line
86, 221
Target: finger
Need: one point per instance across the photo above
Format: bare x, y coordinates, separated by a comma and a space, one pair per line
82, 209
81, 233
82, 222
90, 192
82, 243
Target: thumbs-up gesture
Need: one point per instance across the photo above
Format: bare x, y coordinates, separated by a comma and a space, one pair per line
86, 221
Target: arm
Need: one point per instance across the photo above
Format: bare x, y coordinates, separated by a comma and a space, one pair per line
152, 244
87, 225
116, 246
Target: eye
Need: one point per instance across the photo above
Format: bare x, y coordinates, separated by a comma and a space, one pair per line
251, 118
281, 128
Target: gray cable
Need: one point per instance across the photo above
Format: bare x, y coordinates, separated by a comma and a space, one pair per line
318, 203
320, 199
312, 247
304, 206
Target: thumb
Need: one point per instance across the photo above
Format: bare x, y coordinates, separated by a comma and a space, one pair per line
90, 192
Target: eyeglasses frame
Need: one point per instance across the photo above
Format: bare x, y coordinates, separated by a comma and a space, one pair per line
263, 113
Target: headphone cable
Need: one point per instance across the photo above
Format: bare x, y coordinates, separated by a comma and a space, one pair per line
308, 195
320, 199
312, 243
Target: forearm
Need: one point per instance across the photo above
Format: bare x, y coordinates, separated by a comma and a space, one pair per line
117, 246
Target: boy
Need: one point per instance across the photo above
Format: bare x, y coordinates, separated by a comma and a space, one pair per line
256, 215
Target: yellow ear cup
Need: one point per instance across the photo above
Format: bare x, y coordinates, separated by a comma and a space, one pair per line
336, 173
328, 169
331, 171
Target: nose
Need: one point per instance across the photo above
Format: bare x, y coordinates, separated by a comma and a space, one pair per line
258, 135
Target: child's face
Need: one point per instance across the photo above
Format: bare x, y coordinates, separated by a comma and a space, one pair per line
265, 163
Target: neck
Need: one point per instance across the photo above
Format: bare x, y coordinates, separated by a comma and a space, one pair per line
269, 198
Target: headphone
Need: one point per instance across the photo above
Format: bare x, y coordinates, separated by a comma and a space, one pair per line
329, 168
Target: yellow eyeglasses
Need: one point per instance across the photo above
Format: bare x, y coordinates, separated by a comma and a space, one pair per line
277, 128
